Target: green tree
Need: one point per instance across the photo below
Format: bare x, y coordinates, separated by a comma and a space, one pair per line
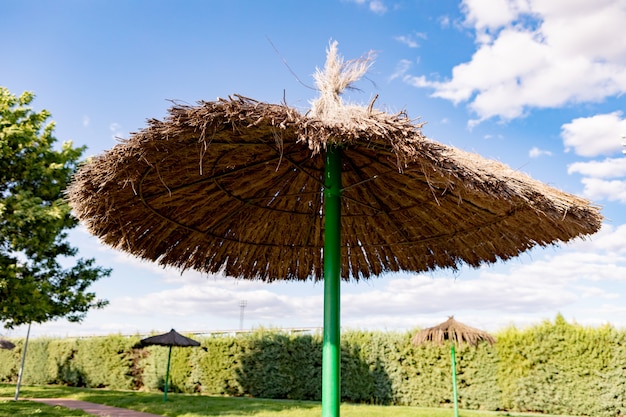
34, 219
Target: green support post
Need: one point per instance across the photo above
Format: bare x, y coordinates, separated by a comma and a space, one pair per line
331, 353
454, 392
167, 374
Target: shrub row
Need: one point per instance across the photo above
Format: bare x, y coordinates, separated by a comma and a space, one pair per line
554, 367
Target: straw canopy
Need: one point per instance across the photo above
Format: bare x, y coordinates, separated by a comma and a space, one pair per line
236, 186
454, 331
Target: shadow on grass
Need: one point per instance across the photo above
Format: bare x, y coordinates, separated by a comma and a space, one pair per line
47, 391
176, 404
179, 404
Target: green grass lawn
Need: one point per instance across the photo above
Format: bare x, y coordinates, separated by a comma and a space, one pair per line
30, 409
184, 405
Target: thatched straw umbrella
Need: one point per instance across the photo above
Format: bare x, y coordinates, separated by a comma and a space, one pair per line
171, 338
456, 333
261, 191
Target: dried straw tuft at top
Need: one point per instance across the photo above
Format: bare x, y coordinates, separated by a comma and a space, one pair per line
342, 123
453, 331
337, 76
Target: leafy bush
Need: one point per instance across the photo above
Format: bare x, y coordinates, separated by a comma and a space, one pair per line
553, 367
9, 363
278, 365
36, 370
106, 362
61, 366
213, 367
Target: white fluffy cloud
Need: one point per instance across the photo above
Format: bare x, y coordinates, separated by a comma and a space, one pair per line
608, 168
611, 190
596, 135
537, 53
486, 16
411, 40
376, 6
535, 152
610, 240
116, 131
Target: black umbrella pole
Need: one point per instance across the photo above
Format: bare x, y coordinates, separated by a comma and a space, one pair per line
331, 353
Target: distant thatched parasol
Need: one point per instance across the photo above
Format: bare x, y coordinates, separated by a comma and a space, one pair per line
262, 191
453, 331
456, 333
5, 344
171, 338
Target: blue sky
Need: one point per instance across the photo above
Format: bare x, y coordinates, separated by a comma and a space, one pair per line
536, 84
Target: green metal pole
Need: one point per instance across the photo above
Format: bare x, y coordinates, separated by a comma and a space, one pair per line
454, 392
167, 374
331, 353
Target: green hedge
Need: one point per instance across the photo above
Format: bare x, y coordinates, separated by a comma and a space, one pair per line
9, 363
557, 368
106, 362
554, 367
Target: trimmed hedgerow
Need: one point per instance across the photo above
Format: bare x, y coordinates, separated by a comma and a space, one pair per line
554, 367
106, 362
9, 362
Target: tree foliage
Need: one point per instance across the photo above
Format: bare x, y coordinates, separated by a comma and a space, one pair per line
34, 219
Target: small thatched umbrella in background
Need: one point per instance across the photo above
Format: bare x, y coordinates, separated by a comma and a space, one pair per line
5, 344
262, 191
456, 333
171, 338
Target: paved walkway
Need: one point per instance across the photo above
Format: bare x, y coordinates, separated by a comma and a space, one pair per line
91, 408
